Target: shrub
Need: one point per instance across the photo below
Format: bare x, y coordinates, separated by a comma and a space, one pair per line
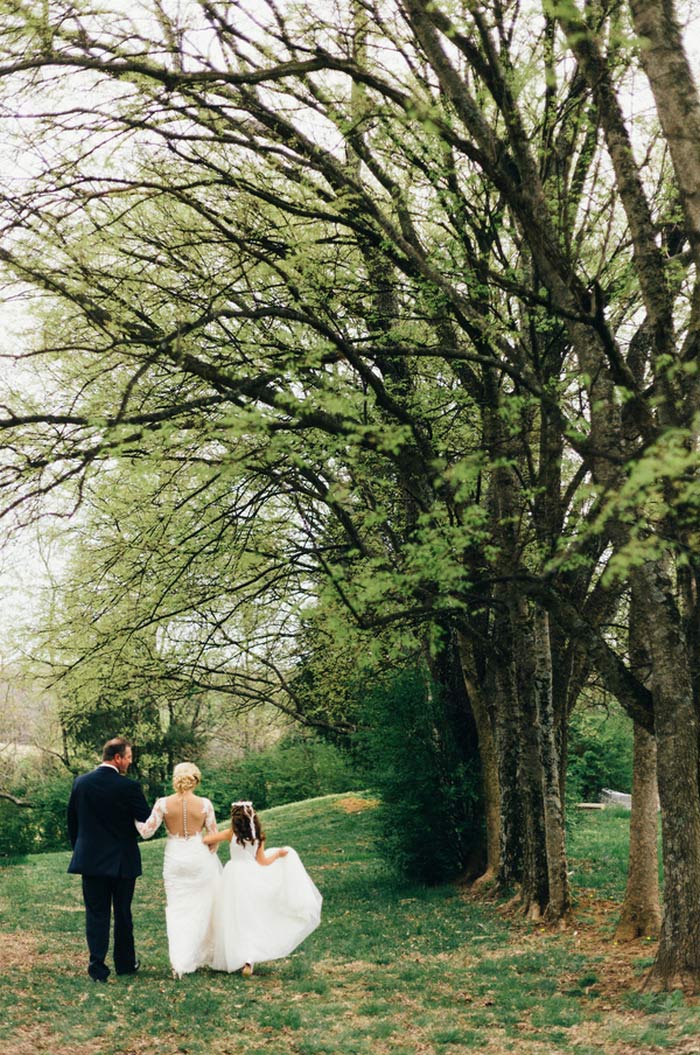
431, 820
600, 750
49, 823
16, 837
43, 826
300, 766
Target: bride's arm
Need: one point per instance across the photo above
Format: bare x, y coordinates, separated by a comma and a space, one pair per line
211, 827
149, 827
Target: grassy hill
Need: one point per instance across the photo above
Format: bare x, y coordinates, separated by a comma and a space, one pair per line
394, 968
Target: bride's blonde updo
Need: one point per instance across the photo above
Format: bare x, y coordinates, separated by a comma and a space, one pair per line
186, 777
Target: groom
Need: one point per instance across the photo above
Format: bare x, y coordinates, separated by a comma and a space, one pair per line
101, 812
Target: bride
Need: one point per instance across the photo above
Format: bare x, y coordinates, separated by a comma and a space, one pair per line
190, 870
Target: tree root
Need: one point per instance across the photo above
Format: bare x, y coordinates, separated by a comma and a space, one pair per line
686, 981
633, 926
485, 883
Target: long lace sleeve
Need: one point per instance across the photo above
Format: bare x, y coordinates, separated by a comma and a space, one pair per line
209, 817
148, 828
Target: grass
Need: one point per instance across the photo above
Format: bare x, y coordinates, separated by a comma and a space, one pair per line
394, 968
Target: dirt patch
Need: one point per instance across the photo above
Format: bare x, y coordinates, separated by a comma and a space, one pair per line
618, 962
331, 968
19, 950
353, 804
31, 1039
591, 932
23, 950
590, 1034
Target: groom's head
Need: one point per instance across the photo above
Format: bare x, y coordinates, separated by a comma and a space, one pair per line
118, 752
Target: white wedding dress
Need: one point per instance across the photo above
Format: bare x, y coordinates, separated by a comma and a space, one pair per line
191, 874
262, 912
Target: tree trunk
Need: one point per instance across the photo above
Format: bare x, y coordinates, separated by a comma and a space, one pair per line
641, 910
559, 902
677, 961
535, 878
461, 732
489, 762
508, 737
666, 65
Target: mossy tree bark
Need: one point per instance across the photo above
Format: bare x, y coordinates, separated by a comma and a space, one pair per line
641, 909
677, 962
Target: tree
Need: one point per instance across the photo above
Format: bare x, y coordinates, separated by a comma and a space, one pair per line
417, 258
641, 909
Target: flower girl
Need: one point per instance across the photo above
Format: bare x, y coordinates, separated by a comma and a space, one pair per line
267, 903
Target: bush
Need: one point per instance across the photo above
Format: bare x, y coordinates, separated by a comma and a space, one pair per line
300, 766
431, 819
43, 826
49, 821
16, 837
600, 751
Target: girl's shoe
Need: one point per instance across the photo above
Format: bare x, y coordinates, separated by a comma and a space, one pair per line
247, 970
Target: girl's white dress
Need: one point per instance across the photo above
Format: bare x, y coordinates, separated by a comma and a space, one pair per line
262, 912
191, 874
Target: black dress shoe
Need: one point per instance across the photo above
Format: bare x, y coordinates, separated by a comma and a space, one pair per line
133, 970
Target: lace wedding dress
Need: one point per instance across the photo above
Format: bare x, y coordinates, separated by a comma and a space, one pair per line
262, 912
191, 873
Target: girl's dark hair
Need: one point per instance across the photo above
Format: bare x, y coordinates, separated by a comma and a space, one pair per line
243, 829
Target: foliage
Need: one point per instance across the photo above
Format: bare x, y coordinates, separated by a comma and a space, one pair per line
173, 605
50, 791
92, 717
600, 750
16, 836
42, 826
299, 766
431, 814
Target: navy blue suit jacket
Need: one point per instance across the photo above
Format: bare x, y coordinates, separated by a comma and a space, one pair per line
102, 808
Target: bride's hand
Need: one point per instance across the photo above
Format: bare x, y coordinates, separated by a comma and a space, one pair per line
283, 852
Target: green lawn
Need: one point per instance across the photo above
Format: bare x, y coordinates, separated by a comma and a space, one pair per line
393, 968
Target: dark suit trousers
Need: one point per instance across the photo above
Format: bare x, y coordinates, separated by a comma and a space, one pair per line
102, 896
